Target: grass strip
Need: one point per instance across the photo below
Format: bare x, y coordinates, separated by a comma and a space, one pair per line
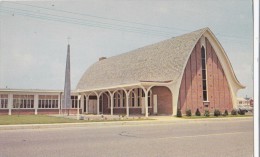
33, 119
45, 119
204, 117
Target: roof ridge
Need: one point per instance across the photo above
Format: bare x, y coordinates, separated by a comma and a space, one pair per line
202, 30
146, 63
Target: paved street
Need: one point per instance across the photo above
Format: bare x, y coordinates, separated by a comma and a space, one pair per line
210, 138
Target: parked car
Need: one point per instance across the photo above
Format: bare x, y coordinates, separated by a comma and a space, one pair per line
246, 108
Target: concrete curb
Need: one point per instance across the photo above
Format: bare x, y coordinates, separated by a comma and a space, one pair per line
164, 121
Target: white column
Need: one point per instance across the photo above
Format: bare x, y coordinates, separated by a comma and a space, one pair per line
127, 104
87, 98
97, 104
35, 104
82, 102
59, 103
79, 96
146, 103
143, 105
10, 103
111, 103
174, 105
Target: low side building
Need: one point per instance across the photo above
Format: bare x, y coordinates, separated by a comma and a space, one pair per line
22, 101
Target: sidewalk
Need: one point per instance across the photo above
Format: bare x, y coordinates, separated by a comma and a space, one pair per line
151, 121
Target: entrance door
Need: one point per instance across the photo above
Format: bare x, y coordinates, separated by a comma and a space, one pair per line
154, 104
100, 107
92, 106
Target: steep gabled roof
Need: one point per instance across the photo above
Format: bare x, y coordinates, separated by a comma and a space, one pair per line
160, 62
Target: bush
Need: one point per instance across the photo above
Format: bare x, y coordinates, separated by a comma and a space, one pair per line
233, 112
217, 113
226, 113
179, 113
197, 112
188, 112
206, 114
241, 112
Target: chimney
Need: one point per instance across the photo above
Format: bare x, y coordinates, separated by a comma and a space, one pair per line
102, 58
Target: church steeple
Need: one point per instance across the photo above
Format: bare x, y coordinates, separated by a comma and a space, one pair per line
67, 85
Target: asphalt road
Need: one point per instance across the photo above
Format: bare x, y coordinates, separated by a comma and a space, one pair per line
221, 138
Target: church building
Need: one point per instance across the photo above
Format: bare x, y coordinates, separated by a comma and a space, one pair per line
191, 71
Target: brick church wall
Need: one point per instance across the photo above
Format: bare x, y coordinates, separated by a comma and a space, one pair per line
191, 94
164, 99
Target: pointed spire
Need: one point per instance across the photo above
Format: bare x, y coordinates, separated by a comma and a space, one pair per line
67, 85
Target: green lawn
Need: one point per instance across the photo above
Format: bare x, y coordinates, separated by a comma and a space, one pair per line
44, 119
33, 119
229, 116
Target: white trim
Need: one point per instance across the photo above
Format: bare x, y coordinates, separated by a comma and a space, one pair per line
129, 107
48, 108
233, 83
23, 109
256, 77
125, 86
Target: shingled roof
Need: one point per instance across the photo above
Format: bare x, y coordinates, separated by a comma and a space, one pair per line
159, 62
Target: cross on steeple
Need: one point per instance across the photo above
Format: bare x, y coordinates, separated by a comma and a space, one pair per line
68, 38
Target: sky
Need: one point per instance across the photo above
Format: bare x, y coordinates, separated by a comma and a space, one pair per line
34, 35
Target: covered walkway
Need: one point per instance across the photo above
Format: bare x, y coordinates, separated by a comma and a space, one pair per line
137, 98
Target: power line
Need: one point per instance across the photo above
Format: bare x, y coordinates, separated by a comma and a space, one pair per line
91, 21
79, 23
89, 15
118, 20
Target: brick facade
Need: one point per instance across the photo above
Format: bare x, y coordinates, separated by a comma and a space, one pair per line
23, 111
4, 112
191, 91
164, 100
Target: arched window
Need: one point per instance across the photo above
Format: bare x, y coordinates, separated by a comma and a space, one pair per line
204, 75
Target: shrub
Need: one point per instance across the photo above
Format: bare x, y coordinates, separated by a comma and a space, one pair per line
197, 112
217, 113
226, 113
179, 113
233, 112
188, 112
206, 114
241, 112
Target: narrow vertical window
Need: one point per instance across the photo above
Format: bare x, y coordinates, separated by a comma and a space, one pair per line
118, 99
124, 98
3, 100
133, 99
204, 75
138, 97
149, 99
